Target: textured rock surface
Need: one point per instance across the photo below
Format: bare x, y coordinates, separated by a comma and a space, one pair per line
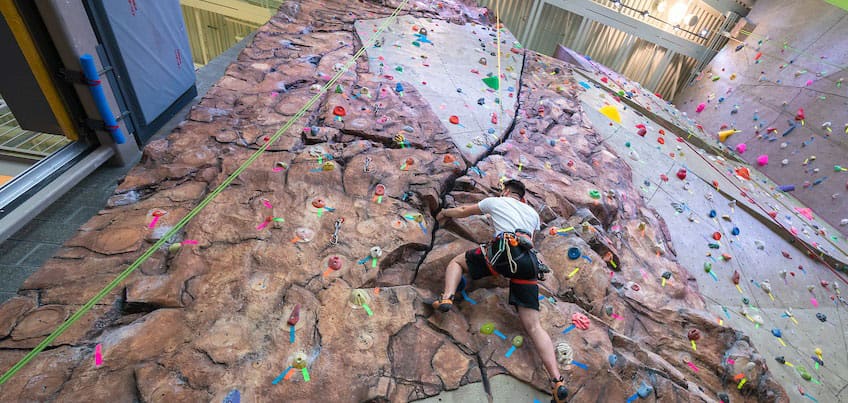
196, 322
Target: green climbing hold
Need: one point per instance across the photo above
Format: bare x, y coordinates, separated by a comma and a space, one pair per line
518, 341
595, 194
804, 374
487, 328
708, 267
339, 89
416, 44
492, 82
399, 69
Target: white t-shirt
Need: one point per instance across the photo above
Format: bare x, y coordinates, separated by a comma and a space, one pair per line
510, 214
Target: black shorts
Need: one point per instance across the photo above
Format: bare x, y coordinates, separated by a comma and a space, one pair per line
526, 295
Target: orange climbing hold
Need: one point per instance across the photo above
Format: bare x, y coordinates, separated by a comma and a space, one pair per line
454, 119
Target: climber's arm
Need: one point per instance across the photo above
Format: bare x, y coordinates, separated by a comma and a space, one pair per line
463, 211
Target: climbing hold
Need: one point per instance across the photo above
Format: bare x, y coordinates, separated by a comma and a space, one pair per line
518, 341
762, 160
492, 82
580, 321
666, 275
595, 194
574, 253
339, 111
735, 231
610, 112
713, 213
318, 203
661, 140
724, 134
681, 173
694, 334
642, 132
821, 317
741, 148
334, 263
717, 236
612, 359
454, 119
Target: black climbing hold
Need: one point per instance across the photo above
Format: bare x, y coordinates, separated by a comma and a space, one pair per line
724, 397
780, 359
822, 317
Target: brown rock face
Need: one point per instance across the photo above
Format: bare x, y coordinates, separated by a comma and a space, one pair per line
198, 321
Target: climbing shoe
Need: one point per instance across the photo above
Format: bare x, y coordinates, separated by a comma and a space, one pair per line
442, 305
560, 392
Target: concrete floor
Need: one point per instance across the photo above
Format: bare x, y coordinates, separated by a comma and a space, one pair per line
691, 238
28, 249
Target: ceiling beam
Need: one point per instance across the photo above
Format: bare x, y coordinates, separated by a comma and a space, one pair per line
604, 15
234, 9
724, 6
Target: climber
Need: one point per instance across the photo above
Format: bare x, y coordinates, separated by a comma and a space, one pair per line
510, 254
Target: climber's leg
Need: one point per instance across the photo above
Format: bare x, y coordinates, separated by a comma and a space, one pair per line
545, 349
453, 274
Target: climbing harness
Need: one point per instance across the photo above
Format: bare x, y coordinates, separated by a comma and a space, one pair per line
502, 247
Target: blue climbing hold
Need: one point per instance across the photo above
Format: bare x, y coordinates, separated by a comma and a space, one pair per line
574, 253
735, 231
713, 214
233, 397
613, 359
776, 332
644, 391
399, 87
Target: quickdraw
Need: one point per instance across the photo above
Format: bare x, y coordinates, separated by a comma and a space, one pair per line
334, 240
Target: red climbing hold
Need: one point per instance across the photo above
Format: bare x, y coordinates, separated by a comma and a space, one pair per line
339, 111
335, 263
318, 203
694, 334
580, 321
681, 173
454, 119
663, 177
735, 277
717, 236
295, 316
642, 132
661, 140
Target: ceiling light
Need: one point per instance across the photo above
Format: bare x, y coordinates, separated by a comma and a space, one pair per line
677, 12
704, 33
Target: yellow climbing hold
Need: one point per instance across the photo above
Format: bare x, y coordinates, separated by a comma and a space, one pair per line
610, 112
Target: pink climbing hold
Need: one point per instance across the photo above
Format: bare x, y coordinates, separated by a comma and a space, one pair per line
741, 148
700, 107
762, 160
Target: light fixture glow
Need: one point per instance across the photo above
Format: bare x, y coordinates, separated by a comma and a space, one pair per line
677, 12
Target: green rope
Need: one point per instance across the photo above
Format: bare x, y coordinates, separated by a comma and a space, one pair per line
226, 183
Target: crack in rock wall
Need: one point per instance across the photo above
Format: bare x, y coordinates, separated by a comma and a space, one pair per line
202, 318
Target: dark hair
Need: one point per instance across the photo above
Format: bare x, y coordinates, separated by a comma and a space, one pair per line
515, 186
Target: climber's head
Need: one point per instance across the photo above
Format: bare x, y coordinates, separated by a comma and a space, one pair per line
514, 187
